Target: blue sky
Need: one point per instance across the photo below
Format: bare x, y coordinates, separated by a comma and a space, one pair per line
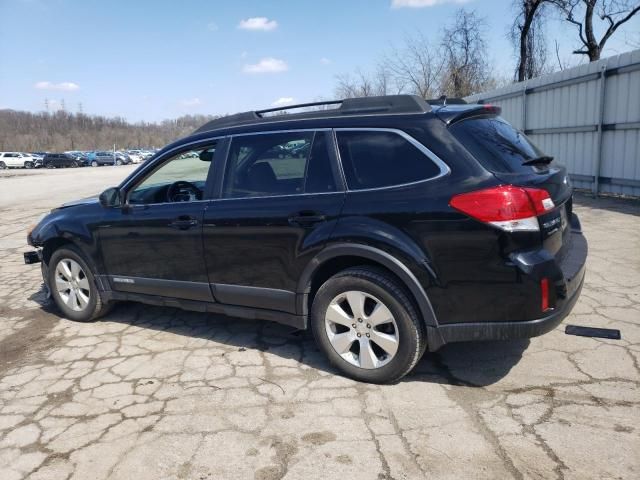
151, 60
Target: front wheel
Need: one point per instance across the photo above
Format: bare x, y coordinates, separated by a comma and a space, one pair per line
118, 162
367, 326
94, 163
73, 287
28, 164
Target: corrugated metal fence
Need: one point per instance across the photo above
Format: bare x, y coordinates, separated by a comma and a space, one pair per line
588, 117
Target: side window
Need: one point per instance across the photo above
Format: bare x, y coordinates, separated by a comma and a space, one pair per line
373, 159
277, 164
182, 178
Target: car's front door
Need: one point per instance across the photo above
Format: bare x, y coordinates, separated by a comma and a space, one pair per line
12, 160
280, 198
153, 245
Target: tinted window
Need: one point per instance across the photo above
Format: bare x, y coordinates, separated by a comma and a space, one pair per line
381, 159
497, 145
278, 164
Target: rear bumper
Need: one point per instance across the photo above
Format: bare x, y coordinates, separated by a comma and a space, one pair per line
571, 270
464, 332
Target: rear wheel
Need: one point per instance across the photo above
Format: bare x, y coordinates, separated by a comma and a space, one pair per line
365, 323
49, 165
94, 163
3, 166
72, 286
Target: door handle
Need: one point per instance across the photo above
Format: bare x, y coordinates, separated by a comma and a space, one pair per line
184, 222
306, 219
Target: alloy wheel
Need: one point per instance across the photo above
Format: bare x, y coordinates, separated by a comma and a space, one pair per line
361, 329
72, 284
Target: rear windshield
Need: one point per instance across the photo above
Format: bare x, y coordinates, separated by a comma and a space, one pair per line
497, 145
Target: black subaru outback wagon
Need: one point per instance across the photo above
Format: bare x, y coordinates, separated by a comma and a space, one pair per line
387, 225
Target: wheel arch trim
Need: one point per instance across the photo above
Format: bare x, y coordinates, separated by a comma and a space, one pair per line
376, 255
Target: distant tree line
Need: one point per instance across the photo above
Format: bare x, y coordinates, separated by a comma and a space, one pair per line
60, 131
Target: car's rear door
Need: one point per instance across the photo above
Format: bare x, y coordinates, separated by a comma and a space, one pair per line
276, 210
153, 245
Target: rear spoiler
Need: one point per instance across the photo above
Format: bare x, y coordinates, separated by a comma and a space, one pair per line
453, 115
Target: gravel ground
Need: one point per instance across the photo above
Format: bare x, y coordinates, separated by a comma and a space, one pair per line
161, 393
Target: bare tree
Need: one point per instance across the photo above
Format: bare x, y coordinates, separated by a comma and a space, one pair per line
528, 38
416, 68
466, 67
363, 84
581, 13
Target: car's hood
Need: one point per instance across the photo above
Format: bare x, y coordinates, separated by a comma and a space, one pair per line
82, 201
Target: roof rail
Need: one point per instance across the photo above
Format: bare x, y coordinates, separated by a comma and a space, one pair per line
444, 101
349, 106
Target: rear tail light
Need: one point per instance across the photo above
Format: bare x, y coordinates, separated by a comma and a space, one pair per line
506, 207
544, 294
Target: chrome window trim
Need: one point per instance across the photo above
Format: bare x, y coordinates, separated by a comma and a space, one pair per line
444, 168
160, 160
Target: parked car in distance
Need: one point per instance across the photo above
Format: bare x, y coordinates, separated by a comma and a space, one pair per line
37, 159
122, 158
135, 155
405, 225
16, 160
81, 157
59, 160
98, 158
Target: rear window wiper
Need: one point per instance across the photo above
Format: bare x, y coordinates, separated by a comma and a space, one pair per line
544, 159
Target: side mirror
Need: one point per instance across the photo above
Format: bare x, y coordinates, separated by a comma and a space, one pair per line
111, 198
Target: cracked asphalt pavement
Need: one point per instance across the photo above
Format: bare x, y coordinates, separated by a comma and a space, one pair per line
151, 393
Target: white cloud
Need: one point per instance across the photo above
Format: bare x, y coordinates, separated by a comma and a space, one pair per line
64, 86
212, 26
422, 3
266, 65
191, 102
282, 101
258, 23
325, 61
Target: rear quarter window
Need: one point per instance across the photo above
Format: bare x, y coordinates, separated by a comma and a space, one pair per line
496, 144
375, 159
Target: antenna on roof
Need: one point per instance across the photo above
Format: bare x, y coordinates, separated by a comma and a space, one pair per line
444, 100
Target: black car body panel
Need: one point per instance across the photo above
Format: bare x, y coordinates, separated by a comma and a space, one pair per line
265, 256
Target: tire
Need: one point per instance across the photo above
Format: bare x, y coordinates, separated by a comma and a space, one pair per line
3, 166
94, 163
74, 165
72, 307
28, 164
118, 162
50, 165
378, 288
